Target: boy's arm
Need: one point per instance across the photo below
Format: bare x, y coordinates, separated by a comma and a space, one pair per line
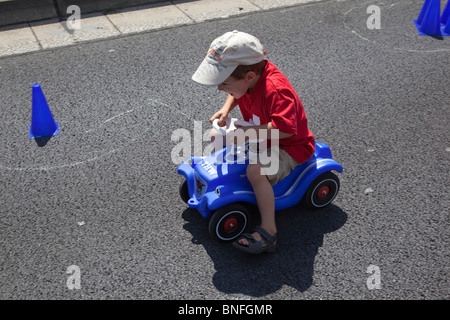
222, 114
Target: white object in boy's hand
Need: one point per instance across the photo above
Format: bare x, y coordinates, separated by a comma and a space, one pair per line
230, 125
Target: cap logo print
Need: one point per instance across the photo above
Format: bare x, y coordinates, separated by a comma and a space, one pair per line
214, 55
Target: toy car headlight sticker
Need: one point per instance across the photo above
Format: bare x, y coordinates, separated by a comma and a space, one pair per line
200, 185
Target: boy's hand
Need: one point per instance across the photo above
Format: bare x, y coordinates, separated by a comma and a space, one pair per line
221, 115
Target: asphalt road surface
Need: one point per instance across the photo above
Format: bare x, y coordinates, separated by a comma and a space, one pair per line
103, 195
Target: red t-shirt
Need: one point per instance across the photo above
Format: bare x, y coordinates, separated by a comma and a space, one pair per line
273, 99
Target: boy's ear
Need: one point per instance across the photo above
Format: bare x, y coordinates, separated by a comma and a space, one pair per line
250, 76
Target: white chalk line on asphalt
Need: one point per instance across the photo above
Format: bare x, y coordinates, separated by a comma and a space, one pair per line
382, 44
151, 102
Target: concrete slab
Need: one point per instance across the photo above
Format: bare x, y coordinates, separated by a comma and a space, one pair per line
148, 18
270, 4
16, 40
202, 10
94, 27
52, 33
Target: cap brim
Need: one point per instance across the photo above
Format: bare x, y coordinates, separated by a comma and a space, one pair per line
212, 74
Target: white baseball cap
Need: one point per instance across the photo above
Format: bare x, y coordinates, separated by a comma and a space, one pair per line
226, 53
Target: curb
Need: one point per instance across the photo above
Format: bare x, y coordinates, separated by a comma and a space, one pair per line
82, 27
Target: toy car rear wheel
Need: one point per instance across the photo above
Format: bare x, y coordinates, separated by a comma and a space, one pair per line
184, 192
229, 222
322, 191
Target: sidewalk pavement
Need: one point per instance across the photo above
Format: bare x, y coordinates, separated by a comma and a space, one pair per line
33, 25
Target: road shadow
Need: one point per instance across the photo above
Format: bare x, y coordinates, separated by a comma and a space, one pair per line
42, 141
300, 234
15, 14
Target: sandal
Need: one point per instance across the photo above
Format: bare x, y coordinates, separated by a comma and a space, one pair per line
267, 243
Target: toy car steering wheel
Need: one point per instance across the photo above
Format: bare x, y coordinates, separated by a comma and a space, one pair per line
215, 125
232, 125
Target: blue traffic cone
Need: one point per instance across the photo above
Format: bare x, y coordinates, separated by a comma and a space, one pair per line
419, 19
445, 14
42, 122
428, 21
445, 20
446, 29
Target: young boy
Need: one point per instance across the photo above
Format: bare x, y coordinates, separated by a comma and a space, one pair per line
235, 64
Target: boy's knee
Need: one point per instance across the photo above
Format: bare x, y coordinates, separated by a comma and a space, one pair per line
254, 171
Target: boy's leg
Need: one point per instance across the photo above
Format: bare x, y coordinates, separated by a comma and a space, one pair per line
262, 186
265, 198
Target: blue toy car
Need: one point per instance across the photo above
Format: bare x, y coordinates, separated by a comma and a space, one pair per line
220, 189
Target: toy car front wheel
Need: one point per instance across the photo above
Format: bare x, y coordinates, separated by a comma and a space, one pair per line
322, 191
228, 223
184, 193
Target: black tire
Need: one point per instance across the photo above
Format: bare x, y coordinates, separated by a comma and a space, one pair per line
321, 191
229, 222
184, 192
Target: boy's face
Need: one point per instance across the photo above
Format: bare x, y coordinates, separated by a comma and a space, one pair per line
237, 88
